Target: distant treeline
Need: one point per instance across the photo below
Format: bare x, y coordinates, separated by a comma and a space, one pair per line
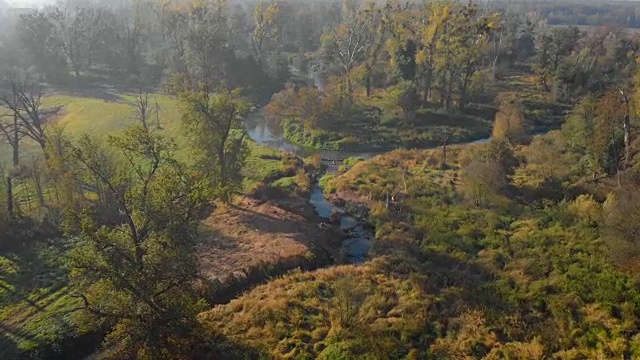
586, 13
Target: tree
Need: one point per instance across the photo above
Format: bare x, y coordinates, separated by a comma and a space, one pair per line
471, 29
437, 17
483, 181
405, 95
72, 28
552, 47
206, 45
265, 28
99, 20
402, 45
24, 101
213, 125
308, 106
453, 41
140, 105
509, 121
378, 29
136, 276
37, 34
10, 131
173, 22
347, 44
131, 40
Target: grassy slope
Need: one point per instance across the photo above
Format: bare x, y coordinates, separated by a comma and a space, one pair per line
449, 280
35, 299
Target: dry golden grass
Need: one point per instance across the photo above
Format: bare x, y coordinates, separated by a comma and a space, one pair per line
303, 313
252, 233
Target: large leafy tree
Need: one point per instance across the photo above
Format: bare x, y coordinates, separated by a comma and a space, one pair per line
265, 28
207, 50
595, 129
36, 31
213, 123
134, 268
552, 48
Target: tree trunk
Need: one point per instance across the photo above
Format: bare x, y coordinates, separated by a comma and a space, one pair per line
426, 87
38, 183
9, 197
16, 142
447, 101
368, 84
627, 131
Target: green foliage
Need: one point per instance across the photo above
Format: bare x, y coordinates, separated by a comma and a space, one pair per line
592, 133
405, 95
517, 280
325, 183
134, 267
350, 161
212, 122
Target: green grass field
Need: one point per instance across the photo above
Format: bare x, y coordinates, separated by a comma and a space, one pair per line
101, 117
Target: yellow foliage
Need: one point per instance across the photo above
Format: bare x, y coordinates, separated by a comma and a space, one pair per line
509, 120
586, 208
532, 350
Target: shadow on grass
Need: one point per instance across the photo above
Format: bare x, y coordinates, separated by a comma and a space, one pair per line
221, 347
9, 343
445, 276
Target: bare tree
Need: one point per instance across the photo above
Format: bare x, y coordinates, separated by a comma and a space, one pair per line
12, 136
140, 104
10, 131
23, 101
348, 44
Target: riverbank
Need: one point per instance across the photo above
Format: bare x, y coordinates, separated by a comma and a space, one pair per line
425, 129
451, 269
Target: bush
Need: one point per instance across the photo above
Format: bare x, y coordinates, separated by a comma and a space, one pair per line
405, 95
483, 181
325, 183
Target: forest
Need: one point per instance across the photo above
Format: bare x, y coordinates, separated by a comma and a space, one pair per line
213, 179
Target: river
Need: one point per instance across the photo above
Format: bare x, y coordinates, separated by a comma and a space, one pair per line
268, 134
358, 240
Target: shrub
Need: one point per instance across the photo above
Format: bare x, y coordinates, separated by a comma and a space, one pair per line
325, 183
405, 95
483, 181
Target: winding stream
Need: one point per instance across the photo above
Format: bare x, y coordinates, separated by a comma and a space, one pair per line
265, 133
358, 240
